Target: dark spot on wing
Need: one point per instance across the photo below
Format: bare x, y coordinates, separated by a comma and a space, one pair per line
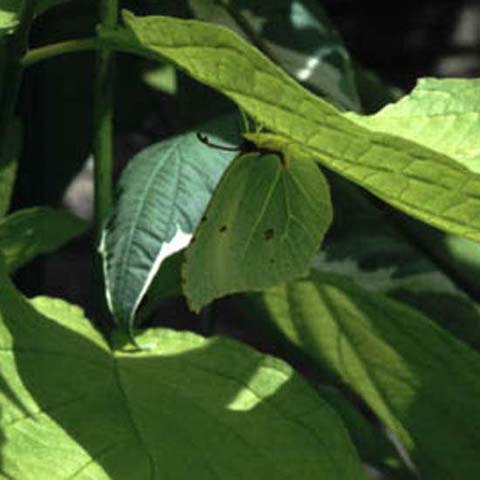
222, 229
268, 234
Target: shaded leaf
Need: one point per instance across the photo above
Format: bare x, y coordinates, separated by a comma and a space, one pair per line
299, 36
166, 284
43, 5
373, 92
423, 183
31, 232
265, 222
371, 246
420, 381
162, 195
371, 443
185, 404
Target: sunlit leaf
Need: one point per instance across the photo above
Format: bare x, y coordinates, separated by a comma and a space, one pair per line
72, 408
441, 114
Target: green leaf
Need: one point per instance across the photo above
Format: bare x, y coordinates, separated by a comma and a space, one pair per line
298, 35
441, 114
9, 13
420, 381
163, 79
421, 182
183, 406
371, 443
400, 257
161, 197
10, 153
264, 224
35, 231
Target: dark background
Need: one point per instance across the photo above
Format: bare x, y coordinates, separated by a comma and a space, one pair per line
413, 38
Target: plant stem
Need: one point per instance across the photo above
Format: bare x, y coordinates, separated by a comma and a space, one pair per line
71, 46
13, 48
103, 120
103, 151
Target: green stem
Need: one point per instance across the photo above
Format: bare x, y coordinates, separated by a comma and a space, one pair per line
103, 150
103, 120
13, 48
71, 46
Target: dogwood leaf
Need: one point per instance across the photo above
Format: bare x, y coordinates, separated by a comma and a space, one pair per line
162, 195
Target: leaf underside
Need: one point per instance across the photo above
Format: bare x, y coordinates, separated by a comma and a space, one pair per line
162, 195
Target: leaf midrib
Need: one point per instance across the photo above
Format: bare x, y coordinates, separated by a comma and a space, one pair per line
124, 398
121, 277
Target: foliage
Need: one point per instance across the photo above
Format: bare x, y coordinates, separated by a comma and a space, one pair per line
345, 237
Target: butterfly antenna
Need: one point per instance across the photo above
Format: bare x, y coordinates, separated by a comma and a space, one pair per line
204, 139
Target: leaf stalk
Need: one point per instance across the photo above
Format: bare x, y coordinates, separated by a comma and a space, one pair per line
40, 54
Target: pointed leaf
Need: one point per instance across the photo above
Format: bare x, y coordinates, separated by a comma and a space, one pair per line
162, 195
413, 178
185, 406
34, 231
264, 224
420, 381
